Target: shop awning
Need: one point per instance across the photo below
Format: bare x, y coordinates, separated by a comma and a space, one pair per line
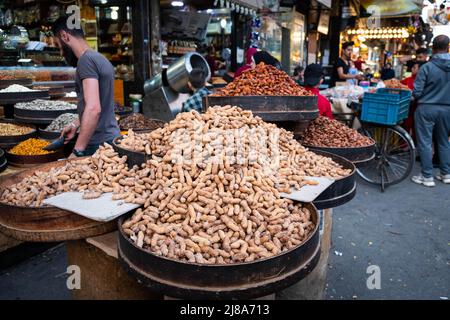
394, 8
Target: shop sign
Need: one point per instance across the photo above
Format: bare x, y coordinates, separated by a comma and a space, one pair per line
393, 8
324, 22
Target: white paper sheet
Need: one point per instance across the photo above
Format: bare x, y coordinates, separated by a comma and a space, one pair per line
101, 209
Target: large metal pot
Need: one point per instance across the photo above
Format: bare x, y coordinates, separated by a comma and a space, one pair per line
153, 84
178, 72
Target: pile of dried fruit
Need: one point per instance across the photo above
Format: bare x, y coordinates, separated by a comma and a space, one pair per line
137, 121
201, 201
324, 132
31, 147
263, 80
395, 84
61, 122
11, 129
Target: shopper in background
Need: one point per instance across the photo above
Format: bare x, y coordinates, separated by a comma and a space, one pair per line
299, 73
353, 71
359, 63
387, 73
249, 62
408, 124
368, 74
94, 83
213, 62
431, 90
313, 80
421, 56
197, 83
342, 66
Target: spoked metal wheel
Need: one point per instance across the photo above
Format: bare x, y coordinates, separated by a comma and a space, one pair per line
394, 156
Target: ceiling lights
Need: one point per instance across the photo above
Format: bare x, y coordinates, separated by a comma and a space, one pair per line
382, 33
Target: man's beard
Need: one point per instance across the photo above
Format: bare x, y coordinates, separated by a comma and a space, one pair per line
70, 57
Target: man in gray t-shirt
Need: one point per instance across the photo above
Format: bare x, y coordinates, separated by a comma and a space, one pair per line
95, 88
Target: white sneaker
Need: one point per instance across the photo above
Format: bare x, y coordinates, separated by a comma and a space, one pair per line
444, 178
427, 182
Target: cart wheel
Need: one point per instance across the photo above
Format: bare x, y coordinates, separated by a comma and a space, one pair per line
394, 156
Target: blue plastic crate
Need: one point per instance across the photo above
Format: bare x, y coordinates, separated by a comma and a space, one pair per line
386, 106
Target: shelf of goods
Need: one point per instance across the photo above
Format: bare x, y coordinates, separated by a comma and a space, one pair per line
10, 80
245, 280
45, 223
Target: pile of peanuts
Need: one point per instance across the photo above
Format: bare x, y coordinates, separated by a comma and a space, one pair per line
96, 175
211, 212
263, 80
324, 132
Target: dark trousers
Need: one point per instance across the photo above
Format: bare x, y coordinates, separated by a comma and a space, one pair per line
427, 119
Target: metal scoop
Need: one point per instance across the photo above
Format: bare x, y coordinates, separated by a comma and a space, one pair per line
56, 144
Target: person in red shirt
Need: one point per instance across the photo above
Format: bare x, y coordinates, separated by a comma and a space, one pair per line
313, 79
409, 81
249, 62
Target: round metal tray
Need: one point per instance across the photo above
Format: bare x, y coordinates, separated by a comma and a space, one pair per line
3, 165
133, 158
271, 108
230, 281
355, 155
45, 224
3, 162
39, 116
342, 190
31, 161
7, 142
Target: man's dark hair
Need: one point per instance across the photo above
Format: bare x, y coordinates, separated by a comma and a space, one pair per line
298, 70
422, 51
62, 24
440, 43
345, 45
197, 78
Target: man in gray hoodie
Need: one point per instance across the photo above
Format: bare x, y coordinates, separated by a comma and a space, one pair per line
432, 92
